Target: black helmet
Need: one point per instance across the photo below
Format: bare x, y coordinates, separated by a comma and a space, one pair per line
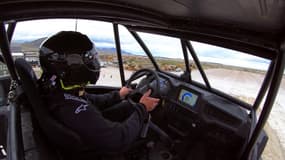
71, 57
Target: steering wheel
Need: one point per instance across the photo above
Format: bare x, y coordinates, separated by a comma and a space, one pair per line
150, 82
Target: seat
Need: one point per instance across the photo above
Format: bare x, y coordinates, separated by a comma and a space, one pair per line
56, 133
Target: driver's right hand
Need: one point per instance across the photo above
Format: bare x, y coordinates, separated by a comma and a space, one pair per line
149, 102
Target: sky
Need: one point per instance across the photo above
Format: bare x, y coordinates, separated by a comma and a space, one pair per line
102, 34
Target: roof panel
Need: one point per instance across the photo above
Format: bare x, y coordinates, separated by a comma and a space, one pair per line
248, 23
261, 15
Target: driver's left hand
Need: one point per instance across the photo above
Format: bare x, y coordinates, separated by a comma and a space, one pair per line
124, 91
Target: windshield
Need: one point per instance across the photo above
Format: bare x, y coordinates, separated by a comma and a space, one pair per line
235, 73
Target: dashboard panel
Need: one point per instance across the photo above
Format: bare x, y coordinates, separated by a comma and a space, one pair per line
194, 113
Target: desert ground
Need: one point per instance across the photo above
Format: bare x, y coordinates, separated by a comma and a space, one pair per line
241, 84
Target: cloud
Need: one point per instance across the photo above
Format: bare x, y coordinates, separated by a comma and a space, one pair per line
103, 36
105, 45
41, 28
162, 45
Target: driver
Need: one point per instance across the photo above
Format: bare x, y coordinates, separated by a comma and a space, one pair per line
104, 122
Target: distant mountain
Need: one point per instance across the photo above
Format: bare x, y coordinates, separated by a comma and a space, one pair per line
33, 46
110, 50
16, 47
36, 43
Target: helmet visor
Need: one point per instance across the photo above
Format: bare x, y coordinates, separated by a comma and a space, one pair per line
89, 60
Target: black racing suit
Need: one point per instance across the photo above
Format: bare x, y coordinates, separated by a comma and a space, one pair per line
99, 131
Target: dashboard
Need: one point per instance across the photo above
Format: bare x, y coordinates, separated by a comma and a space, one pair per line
192, 114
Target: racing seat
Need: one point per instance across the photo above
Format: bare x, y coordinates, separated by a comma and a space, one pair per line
56, 133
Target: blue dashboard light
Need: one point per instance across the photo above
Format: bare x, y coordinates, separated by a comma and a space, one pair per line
188, 97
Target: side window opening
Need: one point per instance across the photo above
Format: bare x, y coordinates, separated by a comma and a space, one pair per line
28, 37
102, 34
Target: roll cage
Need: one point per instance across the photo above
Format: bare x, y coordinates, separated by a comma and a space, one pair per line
136, 19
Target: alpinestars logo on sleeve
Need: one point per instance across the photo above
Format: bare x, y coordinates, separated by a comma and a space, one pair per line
82, 107
71, 97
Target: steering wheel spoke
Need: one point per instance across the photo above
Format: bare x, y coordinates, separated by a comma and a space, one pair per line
151, 81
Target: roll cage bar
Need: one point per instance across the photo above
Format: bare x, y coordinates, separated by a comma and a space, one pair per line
270, 84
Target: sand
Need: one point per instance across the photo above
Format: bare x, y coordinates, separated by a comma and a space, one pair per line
241, 84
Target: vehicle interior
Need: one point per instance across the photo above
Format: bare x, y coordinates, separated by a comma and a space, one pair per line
194, 120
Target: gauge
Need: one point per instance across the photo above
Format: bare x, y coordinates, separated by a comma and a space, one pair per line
188, 97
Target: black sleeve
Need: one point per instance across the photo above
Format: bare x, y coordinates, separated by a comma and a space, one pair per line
99, 133
103, 101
